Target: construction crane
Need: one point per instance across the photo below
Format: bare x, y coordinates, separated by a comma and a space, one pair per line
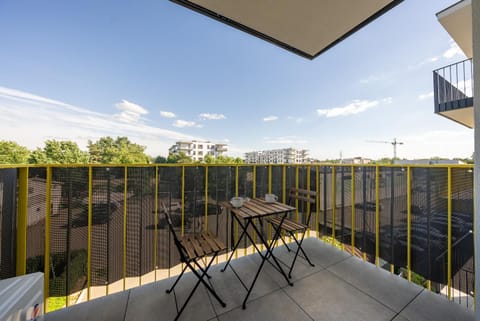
395, 142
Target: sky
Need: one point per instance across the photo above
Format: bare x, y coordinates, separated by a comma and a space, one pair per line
158, 73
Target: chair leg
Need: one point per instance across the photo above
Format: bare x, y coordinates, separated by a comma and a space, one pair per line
306, 257
285, 243
209, 288
299, 248
200, 280
201, 269
294, 258
187, 300
176, 281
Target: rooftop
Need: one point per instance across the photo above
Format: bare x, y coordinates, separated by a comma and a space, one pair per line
339, 287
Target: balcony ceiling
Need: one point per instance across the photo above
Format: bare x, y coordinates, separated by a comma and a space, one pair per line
463, 116
457, 20
305, 27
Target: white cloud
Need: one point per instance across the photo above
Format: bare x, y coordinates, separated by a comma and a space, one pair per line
372, 78
426, 96
285, 140
270, 118
185, 123
453, 51
426, 61
298, 120
466, 87
167, 114
207, 116
432, 143
30, 119
130, 112
355, 107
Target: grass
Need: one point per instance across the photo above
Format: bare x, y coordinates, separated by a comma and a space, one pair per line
56, 303
332, 241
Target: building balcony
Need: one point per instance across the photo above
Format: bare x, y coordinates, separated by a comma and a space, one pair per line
339, 287
405, 234
453, 92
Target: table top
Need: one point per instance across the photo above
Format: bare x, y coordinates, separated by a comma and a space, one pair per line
258, 207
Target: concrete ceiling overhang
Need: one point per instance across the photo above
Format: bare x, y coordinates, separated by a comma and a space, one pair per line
305, 27
462, 116
457, 20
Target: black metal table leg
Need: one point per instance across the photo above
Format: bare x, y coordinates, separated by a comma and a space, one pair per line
267, 255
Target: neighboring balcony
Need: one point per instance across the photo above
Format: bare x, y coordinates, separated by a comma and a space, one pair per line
453, 92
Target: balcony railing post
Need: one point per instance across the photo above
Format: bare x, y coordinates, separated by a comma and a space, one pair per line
269, 179
183, 200
89, 233
254, 192
296, 186
206, 198
22, 212
155, 221
409, 221
449, 232
353, 224
48, 208
308, 203
125, 193
377, 215
317, 200
334, 201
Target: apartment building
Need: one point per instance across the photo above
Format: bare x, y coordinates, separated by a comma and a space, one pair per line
356, 161
197, 150
277, 156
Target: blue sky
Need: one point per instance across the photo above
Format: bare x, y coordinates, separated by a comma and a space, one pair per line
157, 73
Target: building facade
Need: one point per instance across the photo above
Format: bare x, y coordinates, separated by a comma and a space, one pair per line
277, 156
197, 150
356, 161
429, 162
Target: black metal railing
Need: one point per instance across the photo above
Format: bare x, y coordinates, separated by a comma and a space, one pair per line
95, 230
453, 86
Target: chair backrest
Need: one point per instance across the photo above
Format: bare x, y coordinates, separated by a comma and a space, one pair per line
305, 197
178, 244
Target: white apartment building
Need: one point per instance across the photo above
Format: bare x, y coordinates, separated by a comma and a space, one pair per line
197, 150
356, 161
277, 156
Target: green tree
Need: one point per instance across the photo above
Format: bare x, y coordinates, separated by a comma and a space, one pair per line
59, 152
117, 151
160, 160
228, 160
384, 161
181, 157
209, 159
12, 153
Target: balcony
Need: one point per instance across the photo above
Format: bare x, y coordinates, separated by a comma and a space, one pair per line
93, 230
339, 287
453, 92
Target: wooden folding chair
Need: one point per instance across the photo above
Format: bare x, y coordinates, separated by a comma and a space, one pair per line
305, 200
193, 248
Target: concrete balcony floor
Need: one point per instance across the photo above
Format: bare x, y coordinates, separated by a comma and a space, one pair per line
339, 287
